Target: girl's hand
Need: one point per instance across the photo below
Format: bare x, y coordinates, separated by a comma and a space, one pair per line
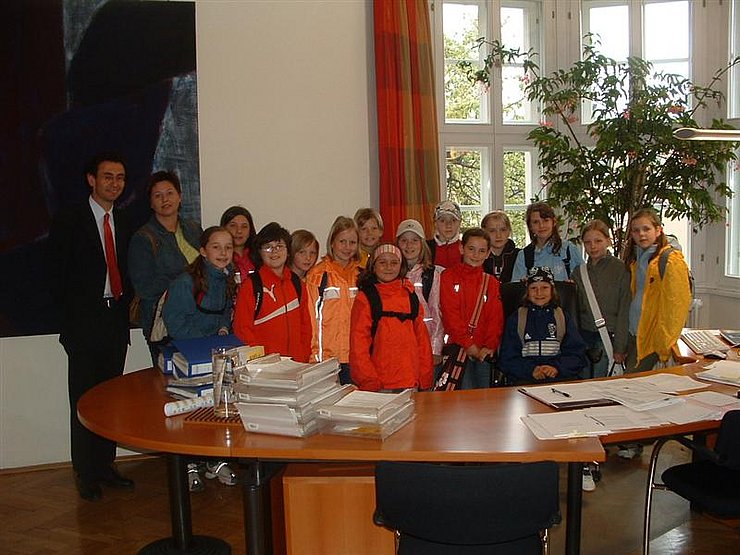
620, 357
223, 330
437, 359
544, 371
484, 352
472, 351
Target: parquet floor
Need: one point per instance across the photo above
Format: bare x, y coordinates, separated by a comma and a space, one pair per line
40, 513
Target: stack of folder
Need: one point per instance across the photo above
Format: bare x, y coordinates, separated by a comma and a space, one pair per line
276, 395
367, 414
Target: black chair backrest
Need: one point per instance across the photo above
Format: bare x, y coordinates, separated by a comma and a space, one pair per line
728, 440
512, 294
467, 505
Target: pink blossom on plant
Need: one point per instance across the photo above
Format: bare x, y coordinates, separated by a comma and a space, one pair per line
626, 114
632, 155
483, 87
545, 123
736, 165
571, 118
675, 109
689, 161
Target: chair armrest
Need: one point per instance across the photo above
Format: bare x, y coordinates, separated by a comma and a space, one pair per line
700, 449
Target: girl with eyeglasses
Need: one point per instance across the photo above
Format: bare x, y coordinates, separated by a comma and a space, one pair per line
272, 304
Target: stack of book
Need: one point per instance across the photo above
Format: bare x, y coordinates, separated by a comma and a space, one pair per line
276, 395
367, 414
193, 356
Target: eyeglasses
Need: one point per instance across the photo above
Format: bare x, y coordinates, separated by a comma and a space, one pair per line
273, 248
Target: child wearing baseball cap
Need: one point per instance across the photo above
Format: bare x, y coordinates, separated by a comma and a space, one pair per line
445, 245
541, 341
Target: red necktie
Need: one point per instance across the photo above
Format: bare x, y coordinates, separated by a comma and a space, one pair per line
110, 259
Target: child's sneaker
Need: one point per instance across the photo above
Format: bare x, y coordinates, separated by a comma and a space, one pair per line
195, 484
630, 451
222, 471
587, 483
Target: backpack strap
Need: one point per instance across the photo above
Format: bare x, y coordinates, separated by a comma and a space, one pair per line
663, 260
566, 260
296, 285
529, 256
377, 312
257, 290
427, 280
560, 326
432, 248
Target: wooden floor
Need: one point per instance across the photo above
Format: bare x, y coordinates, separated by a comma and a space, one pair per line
41, 513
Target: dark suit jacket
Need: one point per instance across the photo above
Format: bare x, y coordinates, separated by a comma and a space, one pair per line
78, 272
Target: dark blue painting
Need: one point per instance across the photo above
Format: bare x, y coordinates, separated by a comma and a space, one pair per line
80, 77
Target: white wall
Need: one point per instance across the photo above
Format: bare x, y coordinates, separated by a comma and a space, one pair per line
287, 128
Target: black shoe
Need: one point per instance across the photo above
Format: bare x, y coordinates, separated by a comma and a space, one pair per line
113, 479
89, 491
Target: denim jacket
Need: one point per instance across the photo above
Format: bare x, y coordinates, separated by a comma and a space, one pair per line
155, 260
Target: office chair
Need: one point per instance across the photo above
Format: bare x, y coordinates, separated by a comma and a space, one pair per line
468, 510
711, 483
512, 294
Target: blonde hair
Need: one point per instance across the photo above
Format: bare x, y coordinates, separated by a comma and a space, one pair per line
342, 223
596, 225
300, 239
497, 215
365, 214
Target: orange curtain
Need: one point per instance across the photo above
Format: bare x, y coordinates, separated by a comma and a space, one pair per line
407, 116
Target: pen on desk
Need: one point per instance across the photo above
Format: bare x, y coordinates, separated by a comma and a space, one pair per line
596, 420
563, 393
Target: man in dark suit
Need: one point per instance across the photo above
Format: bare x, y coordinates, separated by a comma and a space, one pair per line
88, 251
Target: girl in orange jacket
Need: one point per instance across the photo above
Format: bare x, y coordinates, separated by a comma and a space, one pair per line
282, 324
389, 342
332, 287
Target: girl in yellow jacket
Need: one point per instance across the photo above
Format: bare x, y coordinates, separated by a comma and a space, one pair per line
332, 288
660, 303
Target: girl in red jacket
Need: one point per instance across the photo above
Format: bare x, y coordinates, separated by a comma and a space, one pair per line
459, 292
272, 305
389, 343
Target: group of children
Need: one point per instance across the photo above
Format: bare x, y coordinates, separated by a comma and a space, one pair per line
390, 312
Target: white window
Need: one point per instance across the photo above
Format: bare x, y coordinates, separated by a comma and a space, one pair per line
734, 96
732, 241
482, 127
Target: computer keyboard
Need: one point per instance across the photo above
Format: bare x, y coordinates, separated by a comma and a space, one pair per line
703, 341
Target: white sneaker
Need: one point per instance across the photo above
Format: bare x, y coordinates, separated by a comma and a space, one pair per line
195, 484
222, 471
630, 451
587, 483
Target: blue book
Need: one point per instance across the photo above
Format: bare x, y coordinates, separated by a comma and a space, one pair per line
194, 355
164, 360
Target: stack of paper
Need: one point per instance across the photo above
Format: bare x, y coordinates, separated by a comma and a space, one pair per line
724, 371
277, 395
367, 414
188, 388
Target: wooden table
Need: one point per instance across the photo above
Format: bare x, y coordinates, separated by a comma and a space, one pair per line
462, 426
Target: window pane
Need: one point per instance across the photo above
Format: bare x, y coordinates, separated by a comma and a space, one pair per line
735, 71
465, 181
611, 24
517, 191
462, 25
666, 31
732, 254
520, 28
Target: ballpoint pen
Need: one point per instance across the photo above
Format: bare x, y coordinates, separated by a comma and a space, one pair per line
563, 393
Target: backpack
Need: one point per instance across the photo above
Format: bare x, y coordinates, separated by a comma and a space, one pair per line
134, 308
529, 257
159, 331
377, 312
663, 262
427, 280
559, 323
258, 288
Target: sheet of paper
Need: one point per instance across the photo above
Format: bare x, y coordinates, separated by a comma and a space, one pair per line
671, 383
368, 399
687, 412
714, 399
723, 371
564, 392
635, 394
575, 423
617, 417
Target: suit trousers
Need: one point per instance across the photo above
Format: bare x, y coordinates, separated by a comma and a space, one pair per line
89, 365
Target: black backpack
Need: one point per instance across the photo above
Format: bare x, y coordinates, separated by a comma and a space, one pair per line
258, 293
376, 307
427, 280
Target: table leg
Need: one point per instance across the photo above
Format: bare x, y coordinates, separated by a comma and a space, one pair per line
182, 541
573, 509
257, 515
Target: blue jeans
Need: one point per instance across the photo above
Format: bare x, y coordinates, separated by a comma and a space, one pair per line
477, 374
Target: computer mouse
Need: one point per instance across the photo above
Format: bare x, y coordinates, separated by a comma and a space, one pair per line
719, 355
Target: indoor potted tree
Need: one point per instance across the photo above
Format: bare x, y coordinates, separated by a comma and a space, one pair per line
627, 158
